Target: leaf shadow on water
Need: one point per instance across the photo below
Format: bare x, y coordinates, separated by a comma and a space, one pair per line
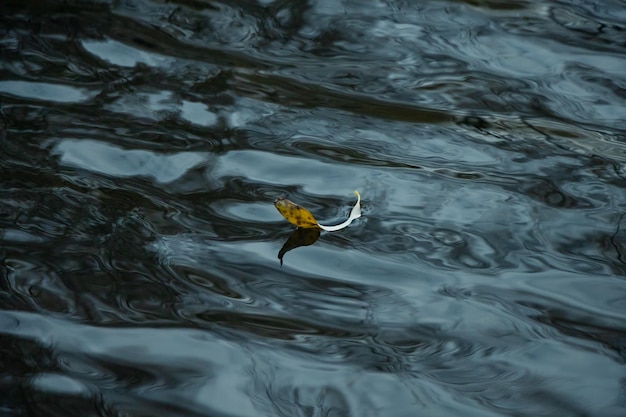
300, 237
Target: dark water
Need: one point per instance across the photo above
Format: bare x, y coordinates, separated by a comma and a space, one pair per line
143, 142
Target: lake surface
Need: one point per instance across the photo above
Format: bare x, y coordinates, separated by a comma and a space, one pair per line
143, 143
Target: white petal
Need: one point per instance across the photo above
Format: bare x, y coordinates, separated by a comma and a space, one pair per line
354, 214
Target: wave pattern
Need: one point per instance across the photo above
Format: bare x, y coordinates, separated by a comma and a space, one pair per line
143, 142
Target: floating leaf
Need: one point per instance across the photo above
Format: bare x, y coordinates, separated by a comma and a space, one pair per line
301, 217
296, 214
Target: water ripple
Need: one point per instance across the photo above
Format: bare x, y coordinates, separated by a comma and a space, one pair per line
145, 271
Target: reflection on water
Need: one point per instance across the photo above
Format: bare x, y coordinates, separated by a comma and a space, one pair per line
143, 143
299, 237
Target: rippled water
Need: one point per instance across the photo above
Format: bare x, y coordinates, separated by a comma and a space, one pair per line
143, 143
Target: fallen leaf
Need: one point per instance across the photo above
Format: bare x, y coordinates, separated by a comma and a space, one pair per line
296, 214
301, 217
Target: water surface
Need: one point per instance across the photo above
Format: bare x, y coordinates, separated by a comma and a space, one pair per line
143, 142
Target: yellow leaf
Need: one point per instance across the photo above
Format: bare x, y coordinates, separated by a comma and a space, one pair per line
301, 217
296, 214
